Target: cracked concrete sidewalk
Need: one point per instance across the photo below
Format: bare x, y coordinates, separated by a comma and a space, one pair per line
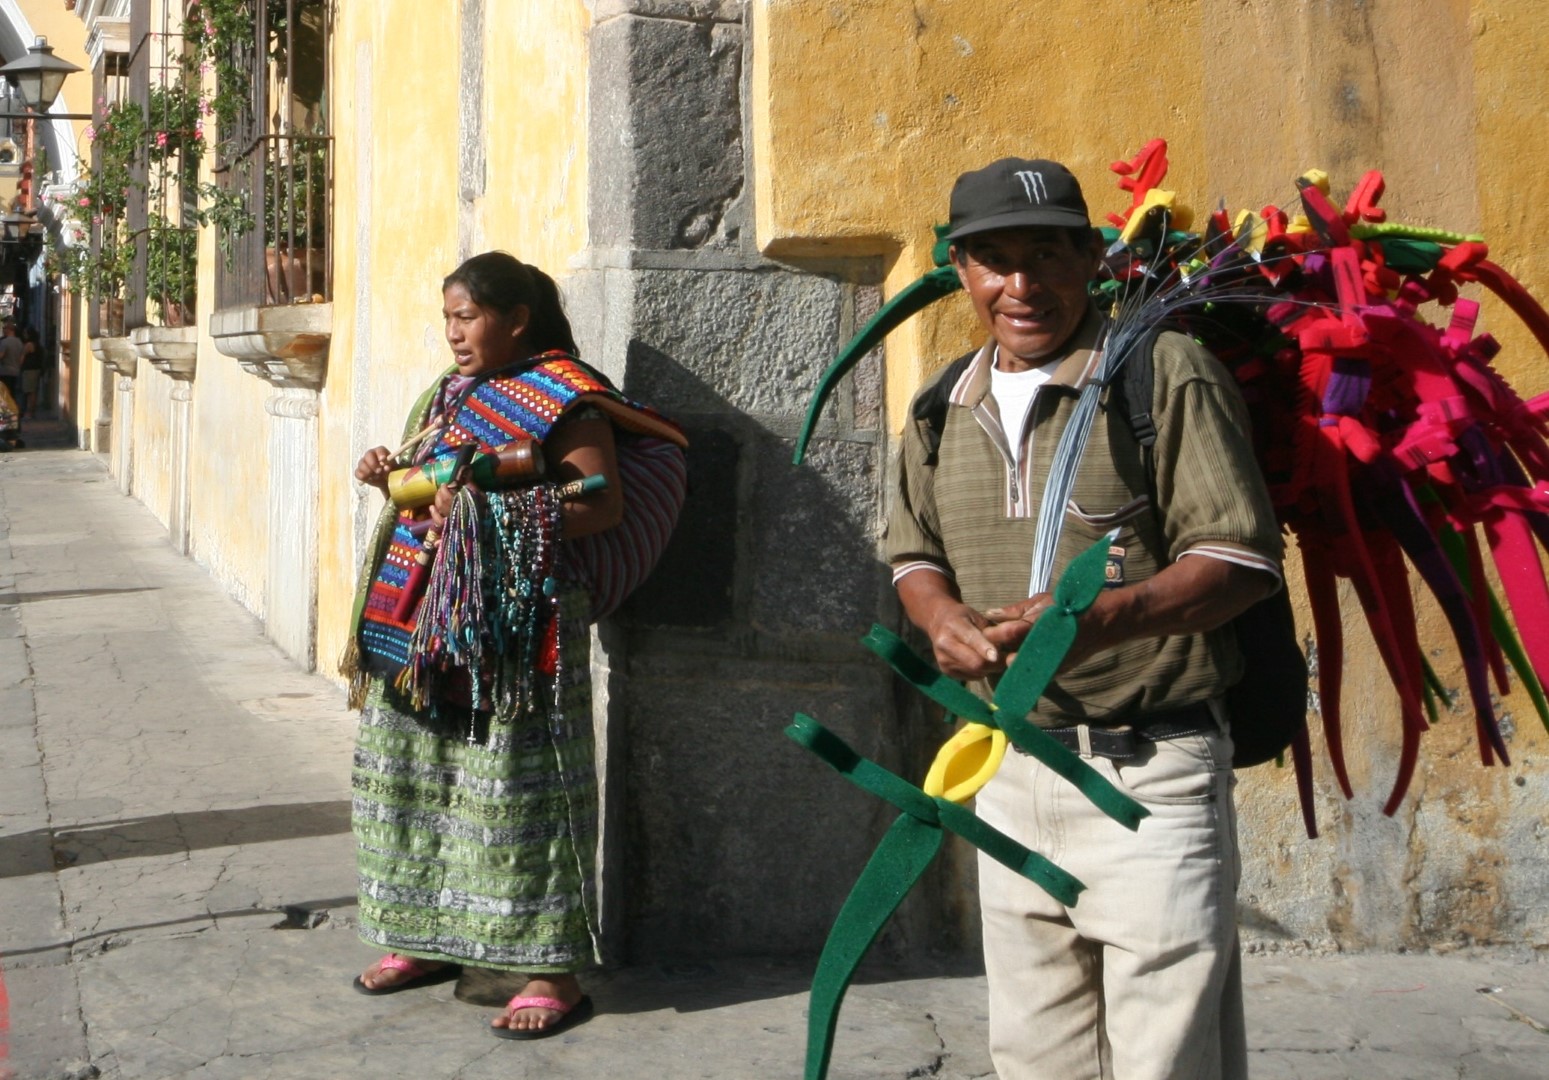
177, 882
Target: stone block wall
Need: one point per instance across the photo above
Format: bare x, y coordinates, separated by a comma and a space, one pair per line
721, 835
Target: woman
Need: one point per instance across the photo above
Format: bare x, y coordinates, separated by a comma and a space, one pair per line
475, 798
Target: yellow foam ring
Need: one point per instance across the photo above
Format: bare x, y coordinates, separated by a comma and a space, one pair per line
1137, 220
965, 763
1317, 178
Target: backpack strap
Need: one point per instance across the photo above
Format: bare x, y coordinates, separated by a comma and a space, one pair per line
1133, 391
930, 408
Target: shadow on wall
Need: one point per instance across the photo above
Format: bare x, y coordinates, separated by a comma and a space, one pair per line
736, 840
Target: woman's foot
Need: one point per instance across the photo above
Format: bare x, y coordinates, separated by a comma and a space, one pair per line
561, 988
394, 972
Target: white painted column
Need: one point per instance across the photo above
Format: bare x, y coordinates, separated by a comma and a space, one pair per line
123, 435
177, 524
291, 601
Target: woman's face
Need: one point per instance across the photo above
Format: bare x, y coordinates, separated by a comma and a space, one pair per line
482, 340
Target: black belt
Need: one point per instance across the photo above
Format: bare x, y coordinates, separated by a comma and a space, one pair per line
1124, 740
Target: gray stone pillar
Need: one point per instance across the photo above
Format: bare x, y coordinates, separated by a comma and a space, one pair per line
720, 836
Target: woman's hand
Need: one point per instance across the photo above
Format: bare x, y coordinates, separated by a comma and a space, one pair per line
374, 466
446, 495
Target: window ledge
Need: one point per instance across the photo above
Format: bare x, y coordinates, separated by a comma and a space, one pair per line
117, 353
172, 350
286, 346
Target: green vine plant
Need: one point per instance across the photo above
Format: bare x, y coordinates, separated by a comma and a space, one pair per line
159, 147
101, 269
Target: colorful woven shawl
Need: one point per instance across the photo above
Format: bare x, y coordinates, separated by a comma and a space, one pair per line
500, 409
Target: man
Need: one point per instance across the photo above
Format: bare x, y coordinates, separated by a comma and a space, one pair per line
1140, 979
11, 351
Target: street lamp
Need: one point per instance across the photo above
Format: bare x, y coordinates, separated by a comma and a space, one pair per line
16, 227
38, 78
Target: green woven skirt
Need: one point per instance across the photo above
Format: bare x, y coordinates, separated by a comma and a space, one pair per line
484, 852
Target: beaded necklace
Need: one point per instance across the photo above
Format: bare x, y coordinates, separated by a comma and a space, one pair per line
491, 606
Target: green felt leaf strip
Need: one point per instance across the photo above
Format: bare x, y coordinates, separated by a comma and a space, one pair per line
1042, 652
1035, 664
1516, 656
915, 297
1051, 636
865, 774
905, 851
1063, 886
1382, 230
1087, 780
953, 696
1432, 682
1083, 580
873, 778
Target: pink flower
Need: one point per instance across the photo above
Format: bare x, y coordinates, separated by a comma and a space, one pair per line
91, 132
161, 138
85, 200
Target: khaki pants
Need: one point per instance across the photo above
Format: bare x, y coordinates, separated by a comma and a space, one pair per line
1141, 978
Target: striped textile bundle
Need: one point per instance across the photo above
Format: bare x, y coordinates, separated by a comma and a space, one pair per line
612, 564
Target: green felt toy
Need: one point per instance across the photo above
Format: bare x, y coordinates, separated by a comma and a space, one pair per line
916, 836
913, 298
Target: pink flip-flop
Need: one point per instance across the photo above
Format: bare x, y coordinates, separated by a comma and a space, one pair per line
419, 974
570, 1016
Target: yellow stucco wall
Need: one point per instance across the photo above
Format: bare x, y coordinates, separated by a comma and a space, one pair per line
862, 115
154, 462
397, 220
228, 462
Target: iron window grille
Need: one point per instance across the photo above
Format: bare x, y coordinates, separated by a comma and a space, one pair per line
276, 161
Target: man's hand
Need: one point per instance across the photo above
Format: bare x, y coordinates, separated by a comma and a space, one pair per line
956, 631
958, 641
1190, 596
1009, 625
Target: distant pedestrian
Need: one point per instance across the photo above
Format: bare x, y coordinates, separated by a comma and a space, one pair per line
32, 373
475, 790
11, 353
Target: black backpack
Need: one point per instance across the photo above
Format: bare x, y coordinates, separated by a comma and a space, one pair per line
1268, 705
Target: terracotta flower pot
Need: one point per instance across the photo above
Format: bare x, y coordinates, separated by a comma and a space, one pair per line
292, 276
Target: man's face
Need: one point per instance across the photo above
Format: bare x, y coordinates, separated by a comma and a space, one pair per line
1028, 287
